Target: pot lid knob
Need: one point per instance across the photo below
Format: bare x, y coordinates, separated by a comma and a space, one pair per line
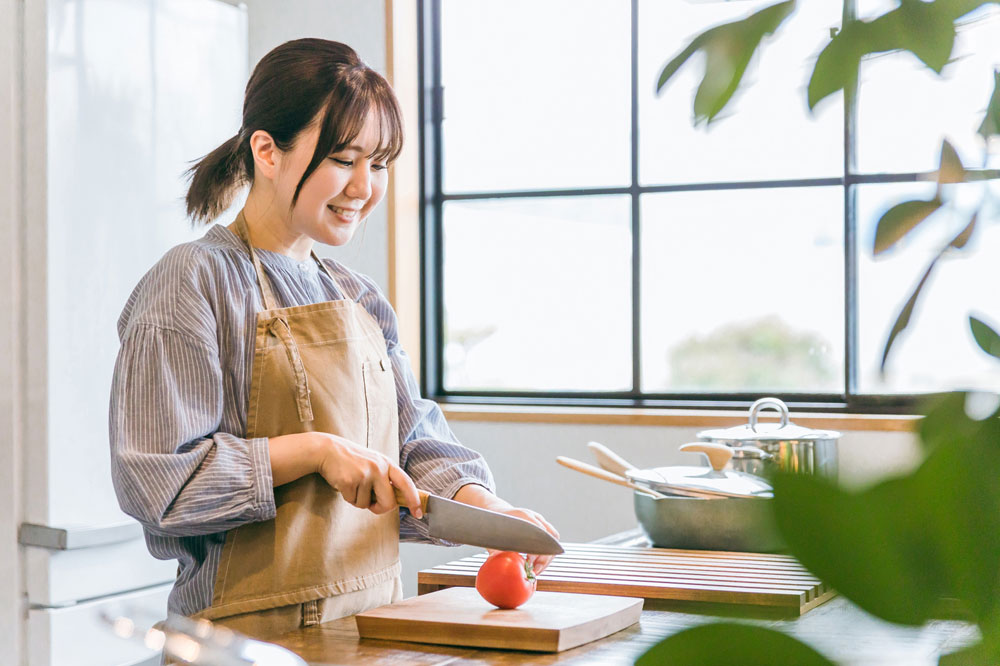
768, 403
718, 455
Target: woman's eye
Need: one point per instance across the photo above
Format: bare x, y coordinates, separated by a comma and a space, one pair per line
379, 167
345, 163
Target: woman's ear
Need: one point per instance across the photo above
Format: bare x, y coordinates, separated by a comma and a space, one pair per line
266, 156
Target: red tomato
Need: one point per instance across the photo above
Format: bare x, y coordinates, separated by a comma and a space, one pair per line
506, 579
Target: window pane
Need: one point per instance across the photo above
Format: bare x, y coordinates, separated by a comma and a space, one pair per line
743, 291
536, 94
905, 109
770, 133
537, 294
937, 351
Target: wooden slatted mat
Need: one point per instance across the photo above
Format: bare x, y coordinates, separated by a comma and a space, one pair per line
684, 580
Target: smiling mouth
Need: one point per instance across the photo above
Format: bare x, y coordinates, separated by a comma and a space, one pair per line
347, 214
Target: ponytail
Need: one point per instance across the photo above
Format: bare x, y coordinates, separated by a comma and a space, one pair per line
216, 179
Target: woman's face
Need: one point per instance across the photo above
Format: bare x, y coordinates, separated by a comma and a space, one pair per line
339, 194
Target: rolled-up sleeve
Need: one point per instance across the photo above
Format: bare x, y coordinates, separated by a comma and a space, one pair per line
172, 470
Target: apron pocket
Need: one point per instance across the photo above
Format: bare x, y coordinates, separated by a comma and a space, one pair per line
380, 397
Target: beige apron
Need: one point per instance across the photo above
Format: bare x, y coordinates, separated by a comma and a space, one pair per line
321, 367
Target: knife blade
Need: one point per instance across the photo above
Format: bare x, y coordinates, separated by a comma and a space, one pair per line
462, 523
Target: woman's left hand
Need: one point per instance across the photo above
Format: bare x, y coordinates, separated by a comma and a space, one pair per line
538, 562
477, 495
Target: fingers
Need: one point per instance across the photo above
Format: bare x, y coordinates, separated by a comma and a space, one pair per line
363, 495
548, 526
349, 493
384, 497
537, 519
539, 562
402, 481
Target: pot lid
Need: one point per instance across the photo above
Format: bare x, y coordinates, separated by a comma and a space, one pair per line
764, 432
711, 481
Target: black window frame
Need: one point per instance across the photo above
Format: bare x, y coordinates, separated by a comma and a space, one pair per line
432, 198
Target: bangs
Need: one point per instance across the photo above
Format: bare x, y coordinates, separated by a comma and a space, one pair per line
343, 123
360, 94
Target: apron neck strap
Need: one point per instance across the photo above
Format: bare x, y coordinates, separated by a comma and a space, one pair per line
270, 302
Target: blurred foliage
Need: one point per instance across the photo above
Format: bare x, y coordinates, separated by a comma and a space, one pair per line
925, 29
899, 548
728, 643
728, 49
765, 355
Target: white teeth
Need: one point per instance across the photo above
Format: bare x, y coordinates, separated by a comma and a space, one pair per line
346, 212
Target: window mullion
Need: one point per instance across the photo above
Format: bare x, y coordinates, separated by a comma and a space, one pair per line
636, 228
851, 308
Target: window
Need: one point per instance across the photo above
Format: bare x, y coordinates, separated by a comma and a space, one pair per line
585, 244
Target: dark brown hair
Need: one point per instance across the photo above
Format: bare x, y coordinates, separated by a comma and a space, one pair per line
289, 87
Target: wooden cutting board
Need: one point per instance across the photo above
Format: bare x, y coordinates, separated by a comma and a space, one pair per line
548, 622
696, 580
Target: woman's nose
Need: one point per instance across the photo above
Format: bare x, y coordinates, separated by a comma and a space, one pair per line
360, 185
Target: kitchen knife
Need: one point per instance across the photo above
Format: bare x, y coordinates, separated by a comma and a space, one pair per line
470, 525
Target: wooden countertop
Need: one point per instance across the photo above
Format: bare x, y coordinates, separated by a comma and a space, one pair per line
838, 629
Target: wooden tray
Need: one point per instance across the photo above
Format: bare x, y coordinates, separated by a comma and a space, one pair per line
668, 579
548, 622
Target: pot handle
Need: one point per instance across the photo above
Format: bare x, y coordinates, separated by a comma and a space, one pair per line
719, 455
765, 403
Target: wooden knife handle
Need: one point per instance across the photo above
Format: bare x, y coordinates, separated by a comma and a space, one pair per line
401, 499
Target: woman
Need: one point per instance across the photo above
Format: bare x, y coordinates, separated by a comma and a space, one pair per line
262, 410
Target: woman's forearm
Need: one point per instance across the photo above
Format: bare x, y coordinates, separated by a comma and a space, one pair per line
477, 495
294, 456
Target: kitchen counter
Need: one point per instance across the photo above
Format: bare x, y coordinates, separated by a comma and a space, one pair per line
838, 629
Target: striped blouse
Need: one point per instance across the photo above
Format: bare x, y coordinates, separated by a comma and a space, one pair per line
180, 393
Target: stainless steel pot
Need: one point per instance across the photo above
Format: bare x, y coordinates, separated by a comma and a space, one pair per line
762, 448
709, 522
736, 515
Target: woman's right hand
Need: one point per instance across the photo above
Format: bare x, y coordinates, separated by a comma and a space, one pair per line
365, 478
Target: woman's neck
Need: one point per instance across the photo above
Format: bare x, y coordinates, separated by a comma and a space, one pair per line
270, 230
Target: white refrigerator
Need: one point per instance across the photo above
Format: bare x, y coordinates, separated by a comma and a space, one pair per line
119, 97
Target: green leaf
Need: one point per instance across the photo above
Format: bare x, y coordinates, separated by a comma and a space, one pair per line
991, 121
926, 29
900, 220
868, 546
675, 64
974, 655
903, 318
960, 241
728, 49
987, 339
960, 507
951, 169
726, 643
899, 547
945, 419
